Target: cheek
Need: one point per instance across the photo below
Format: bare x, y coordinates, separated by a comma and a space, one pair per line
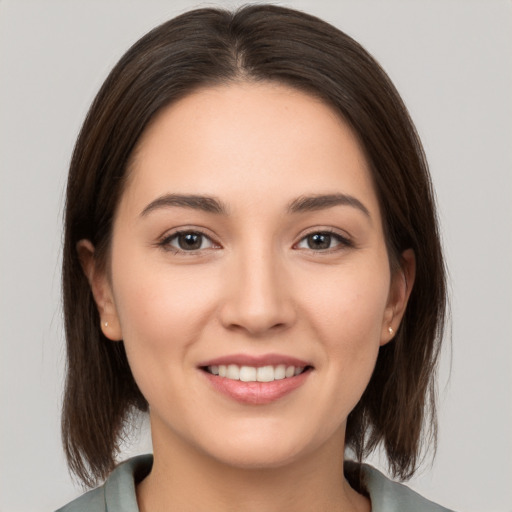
346, 313
349, 305
162, 310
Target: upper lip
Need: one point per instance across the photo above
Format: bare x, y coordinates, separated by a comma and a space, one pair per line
255, 360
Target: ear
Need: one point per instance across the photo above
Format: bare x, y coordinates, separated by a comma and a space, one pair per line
101, 289
402, 281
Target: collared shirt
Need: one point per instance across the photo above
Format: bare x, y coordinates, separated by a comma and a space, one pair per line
117, 494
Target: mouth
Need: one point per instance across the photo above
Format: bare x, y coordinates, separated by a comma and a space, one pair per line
244, 373
256, 380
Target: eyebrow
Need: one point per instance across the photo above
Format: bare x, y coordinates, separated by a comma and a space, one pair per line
195, 202
320, 202
210, 204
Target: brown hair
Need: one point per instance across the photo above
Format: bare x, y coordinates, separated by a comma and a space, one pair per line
256, 43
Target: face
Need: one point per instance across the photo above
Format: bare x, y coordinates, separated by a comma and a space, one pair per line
249, 277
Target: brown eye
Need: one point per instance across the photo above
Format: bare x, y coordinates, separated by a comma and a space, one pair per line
187, 241
319, 241
190, 241
323, 241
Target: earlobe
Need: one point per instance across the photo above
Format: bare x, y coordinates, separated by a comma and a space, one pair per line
402, 282
101, 290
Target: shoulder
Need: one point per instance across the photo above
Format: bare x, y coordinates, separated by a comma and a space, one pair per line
389, 496
92, 501
118, 492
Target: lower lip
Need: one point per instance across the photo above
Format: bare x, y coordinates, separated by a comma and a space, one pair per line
256, 393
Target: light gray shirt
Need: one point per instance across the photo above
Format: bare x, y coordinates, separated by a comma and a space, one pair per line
117, 494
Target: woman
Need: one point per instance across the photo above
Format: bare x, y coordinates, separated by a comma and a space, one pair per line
252, 257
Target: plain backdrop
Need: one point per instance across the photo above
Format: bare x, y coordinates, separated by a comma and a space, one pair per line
452, 62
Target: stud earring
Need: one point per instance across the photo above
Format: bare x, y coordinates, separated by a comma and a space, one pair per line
390, 330
106, 324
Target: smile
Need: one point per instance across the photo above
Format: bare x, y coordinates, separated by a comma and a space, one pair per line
255, 374
256, 380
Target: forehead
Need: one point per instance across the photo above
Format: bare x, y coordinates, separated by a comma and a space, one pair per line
263, 141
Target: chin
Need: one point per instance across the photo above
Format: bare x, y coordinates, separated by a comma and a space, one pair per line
253, 459
259, 451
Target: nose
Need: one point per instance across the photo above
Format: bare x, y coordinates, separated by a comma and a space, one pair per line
258, 295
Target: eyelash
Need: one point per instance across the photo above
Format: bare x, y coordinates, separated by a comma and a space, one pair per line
342, 241
165, 243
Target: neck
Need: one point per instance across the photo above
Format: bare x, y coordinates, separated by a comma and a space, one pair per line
185, 479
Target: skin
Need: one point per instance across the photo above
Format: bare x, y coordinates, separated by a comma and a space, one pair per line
255, 286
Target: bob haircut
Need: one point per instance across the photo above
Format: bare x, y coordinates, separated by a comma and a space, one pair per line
256, 43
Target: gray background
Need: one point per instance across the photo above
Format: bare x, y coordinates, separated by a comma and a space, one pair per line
452, 62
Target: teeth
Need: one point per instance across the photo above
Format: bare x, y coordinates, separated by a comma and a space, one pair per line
265, 374
248, 374
233, 372
255, 374
280, 372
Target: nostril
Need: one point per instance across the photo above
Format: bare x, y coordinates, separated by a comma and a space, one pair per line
256, 305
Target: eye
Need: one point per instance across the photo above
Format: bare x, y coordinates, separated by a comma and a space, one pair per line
187, 241
323, 241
